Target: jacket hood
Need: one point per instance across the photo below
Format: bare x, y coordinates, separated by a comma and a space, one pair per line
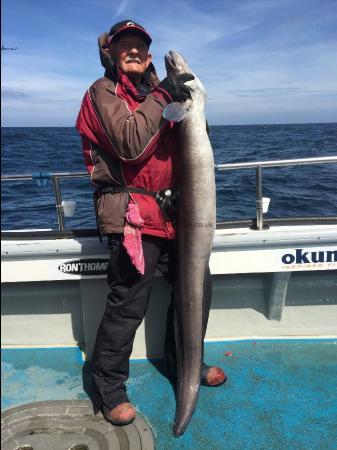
150, 77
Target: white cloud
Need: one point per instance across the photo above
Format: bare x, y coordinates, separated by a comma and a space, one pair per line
33, 95
250, 55
122, 7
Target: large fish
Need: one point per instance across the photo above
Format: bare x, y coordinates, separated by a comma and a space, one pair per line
195, 231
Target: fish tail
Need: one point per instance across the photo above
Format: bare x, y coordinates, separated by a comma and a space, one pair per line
185, 410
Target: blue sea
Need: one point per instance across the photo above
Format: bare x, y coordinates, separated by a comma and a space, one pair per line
294, 191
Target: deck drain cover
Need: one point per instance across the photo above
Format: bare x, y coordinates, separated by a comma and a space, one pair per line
69, 425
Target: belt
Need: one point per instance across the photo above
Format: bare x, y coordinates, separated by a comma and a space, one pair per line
126, 190
167, 199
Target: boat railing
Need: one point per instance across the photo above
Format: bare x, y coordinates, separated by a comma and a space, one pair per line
259, 165
42, 179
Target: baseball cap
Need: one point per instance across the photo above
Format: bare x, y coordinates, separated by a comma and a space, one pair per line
128, 25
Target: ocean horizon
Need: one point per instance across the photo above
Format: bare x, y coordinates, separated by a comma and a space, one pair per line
211, 125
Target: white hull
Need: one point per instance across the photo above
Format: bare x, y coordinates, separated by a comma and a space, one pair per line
54, 293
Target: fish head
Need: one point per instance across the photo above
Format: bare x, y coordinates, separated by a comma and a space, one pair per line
176, 64
177, 111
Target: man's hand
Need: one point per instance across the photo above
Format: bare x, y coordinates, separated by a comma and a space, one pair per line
174, 85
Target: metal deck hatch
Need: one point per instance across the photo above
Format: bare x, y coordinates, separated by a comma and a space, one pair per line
69, 425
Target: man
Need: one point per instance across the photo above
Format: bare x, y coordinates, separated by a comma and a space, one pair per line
130, 152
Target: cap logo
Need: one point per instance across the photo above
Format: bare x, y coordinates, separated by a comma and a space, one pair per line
130, 24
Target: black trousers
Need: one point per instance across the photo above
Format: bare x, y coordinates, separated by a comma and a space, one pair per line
125, 309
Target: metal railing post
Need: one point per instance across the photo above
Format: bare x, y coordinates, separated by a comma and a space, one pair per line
58, 201
259, 201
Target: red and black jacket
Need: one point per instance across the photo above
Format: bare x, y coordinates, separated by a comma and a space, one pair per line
126, 142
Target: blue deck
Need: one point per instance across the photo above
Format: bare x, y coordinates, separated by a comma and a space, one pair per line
280, 394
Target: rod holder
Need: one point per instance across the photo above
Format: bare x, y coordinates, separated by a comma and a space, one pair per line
259, 202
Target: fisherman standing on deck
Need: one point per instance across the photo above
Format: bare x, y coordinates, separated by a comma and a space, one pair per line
130, 152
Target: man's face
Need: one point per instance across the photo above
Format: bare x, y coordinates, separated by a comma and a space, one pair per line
131, 54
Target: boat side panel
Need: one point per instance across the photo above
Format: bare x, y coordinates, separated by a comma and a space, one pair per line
34, 316
41, 313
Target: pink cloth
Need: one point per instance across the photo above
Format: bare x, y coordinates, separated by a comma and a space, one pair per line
133, 237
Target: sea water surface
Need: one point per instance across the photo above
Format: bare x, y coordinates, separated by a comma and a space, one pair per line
294, 191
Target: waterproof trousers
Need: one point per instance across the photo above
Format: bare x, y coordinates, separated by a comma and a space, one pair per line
125, 309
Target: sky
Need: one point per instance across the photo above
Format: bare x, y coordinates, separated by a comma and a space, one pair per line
261, 61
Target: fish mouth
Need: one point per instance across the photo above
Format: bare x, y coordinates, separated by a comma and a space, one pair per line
175, 63
170, 62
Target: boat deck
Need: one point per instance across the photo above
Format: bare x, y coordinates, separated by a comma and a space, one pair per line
280, 393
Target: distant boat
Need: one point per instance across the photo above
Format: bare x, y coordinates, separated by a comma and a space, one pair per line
8, 48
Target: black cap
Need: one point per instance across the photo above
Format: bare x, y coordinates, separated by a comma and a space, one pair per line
128, 25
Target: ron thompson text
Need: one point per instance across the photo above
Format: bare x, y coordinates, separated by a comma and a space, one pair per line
79, 267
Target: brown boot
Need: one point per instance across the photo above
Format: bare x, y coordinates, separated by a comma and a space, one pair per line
212, 376
122, 414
